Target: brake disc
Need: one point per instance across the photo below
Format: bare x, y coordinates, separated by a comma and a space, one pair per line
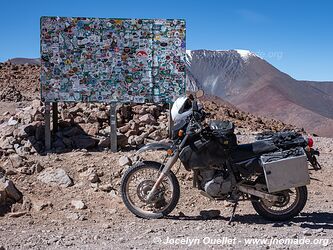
144, 188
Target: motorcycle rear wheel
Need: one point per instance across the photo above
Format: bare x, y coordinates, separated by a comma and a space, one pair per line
285, 210
135, 188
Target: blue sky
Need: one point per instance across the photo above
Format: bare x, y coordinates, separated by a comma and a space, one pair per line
295, 36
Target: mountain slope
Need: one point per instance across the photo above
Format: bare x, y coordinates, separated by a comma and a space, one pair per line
253, 85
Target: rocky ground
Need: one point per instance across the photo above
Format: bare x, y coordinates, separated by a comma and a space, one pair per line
69, 197
74, 203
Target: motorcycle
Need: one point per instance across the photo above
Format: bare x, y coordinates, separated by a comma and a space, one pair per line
272, 172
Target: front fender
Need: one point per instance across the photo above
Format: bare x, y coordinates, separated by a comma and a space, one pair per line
154, 146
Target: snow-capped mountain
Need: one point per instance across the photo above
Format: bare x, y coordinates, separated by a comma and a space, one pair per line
252, 84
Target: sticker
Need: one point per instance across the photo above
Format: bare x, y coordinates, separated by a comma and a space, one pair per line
105, 59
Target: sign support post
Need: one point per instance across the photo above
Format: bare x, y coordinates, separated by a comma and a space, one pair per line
47, 119
113, 126
55, 117
170, 121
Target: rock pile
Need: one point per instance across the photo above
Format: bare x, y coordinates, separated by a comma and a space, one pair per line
82, 126
11, 94
24, 77
86, 126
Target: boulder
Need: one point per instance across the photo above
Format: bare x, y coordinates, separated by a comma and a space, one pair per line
16, 160
124, 129
124, 160
147, 119
140, 139
55, 177
90, 128
156, 135
8, 187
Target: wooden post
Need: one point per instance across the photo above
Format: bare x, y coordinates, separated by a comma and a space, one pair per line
113, 126
47, 119
55, 117
170, 121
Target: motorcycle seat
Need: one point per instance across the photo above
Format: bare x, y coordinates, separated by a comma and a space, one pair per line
250, 150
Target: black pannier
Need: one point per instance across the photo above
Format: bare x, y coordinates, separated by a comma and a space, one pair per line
223, 131
204, 153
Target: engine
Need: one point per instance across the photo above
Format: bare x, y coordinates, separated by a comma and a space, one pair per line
216, 183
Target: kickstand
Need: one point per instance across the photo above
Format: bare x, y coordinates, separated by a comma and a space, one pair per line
233, 212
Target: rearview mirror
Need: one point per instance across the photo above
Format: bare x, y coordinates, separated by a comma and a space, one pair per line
200, 93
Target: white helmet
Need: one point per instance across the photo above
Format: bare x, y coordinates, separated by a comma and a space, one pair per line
181, 108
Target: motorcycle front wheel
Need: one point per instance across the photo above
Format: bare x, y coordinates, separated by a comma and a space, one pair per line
291, 204
136, 184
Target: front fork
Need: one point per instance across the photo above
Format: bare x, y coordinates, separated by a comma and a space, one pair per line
172, 160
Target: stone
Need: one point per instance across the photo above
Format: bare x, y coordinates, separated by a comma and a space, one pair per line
11, 171
93, 178
90, 128
105, 187
210, 214
39, 205
55, 177
12, 121
136, 109
147, 119
10, 189
124, 160
35, 104
124, 129
73, 216
37, 167
92, 118
102, 115
6, 130
7, 143
25, 170
156, 135
78, 204
307, 232
16, 160
78, 119
132, 132
23, 131
140, 139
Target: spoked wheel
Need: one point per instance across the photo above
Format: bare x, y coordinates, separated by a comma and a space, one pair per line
290, 204
136, 185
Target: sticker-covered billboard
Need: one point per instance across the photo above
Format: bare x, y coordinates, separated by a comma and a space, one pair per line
112, 60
